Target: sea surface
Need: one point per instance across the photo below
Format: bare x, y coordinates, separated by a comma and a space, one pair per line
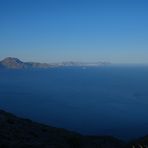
109, 100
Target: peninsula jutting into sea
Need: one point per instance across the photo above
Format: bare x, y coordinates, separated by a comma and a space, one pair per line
15, 63
73, 73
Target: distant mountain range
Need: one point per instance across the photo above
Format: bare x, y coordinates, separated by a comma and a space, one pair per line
14, 63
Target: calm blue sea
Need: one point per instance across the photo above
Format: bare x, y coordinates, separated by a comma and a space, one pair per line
111, 100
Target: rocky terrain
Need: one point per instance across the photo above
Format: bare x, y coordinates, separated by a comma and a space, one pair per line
14, 63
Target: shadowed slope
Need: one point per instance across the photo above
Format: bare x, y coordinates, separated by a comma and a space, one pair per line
21, 133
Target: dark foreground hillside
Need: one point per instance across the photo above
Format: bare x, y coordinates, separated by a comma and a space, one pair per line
23, 133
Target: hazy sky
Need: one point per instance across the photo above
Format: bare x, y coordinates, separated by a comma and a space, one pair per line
78, 30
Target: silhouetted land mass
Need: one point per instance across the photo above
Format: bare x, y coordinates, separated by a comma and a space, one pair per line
14, 63
16, 132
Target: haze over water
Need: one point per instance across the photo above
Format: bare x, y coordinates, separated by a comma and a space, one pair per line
104, 100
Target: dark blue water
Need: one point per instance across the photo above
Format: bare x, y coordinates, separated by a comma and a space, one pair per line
99, 101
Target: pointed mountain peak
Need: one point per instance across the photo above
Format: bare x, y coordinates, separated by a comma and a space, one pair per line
11, 59
12, 63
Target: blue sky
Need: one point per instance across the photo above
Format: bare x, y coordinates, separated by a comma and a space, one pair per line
77, 30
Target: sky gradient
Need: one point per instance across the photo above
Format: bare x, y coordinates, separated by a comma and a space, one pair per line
74, 30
